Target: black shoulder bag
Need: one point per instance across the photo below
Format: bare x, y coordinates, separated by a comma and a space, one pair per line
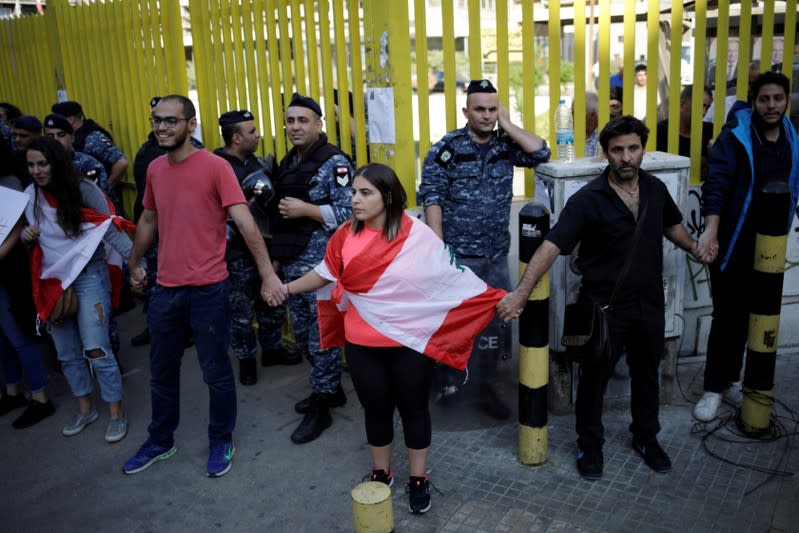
586, 334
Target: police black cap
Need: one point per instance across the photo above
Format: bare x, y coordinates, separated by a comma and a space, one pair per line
28, 123
59, 122
298, 100
480, 86
69, 108
234, 117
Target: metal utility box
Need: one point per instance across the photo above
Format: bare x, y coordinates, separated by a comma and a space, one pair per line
555, 183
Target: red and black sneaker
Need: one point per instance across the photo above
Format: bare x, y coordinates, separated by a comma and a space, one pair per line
381, 476
418, 494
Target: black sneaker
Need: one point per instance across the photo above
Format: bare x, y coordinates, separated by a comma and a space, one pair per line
590, 463
35, 413
280, 356
248, 375
418, 494
337, 399
8, 403
381, 476
654, 456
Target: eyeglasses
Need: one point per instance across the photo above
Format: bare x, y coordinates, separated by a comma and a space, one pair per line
169, 122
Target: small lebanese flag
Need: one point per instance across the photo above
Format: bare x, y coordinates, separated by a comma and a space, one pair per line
57, 259
409, 289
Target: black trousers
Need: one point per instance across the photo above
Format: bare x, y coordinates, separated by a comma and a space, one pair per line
729, 329
392, 378
640, 335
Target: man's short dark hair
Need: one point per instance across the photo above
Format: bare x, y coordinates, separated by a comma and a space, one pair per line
228, 130
188, 106
777, 78
623, 126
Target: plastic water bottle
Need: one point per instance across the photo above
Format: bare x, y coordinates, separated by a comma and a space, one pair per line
564, 132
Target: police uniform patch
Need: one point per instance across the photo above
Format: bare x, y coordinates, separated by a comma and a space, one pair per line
107, 141
342, 175
444, 156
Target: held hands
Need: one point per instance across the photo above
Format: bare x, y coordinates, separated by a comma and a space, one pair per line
291, 207
30, 234
138, 277
510, 307
273, 291
707, 248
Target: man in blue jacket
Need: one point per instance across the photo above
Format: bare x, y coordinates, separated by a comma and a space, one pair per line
758, 145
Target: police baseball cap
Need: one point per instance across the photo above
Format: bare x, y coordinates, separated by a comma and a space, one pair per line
59, 122
480, 86
28, 123
69, 108
234, 117
298, 100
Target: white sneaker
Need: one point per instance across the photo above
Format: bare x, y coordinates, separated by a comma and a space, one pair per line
733, 394
705, 409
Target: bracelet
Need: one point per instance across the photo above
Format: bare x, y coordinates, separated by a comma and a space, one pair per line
288, 292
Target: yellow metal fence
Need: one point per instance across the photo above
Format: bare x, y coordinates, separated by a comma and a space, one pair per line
113, 56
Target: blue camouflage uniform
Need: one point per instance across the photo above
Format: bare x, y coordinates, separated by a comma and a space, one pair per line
100, 146
475, 192
330, 187
245, 282
8, 132
91, 168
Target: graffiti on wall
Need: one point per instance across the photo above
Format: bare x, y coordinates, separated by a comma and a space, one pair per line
697, 279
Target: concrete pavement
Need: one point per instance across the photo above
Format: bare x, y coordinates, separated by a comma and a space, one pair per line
54, 483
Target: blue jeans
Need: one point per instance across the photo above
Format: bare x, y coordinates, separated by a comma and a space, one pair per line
19, 352
88, 330
206, 310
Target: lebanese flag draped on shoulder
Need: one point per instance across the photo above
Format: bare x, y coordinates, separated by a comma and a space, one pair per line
411, 290
57, 259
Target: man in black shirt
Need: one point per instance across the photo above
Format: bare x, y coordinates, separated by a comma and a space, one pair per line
602, 217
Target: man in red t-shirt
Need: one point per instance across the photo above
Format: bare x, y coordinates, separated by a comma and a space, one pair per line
188, 197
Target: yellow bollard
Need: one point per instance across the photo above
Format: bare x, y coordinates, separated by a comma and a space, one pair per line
371, 508
764, 313
534, 343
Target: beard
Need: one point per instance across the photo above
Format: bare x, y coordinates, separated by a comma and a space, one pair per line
179, 141
618, 170
760, 123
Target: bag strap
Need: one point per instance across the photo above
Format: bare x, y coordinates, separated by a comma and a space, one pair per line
628, 263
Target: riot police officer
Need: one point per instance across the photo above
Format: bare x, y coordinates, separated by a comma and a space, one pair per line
241, 141
313, 197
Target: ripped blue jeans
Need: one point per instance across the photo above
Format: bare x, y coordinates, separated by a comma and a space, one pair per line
88, 330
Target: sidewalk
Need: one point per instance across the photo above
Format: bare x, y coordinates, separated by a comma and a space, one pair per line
55, 483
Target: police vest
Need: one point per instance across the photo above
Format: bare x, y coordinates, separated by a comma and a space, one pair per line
290, 236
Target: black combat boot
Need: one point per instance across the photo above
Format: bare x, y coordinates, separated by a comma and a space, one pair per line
247, 372
280, 356
337, 399
315, 421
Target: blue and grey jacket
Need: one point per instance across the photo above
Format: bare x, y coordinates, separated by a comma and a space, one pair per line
729, 188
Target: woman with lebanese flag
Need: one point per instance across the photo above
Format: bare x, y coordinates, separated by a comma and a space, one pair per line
390, 293
69, 221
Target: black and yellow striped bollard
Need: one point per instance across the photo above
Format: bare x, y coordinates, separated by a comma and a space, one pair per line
534, 343
764, 313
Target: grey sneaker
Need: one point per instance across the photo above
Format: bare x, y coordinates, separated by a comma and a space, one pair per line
79, 423
117, 429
